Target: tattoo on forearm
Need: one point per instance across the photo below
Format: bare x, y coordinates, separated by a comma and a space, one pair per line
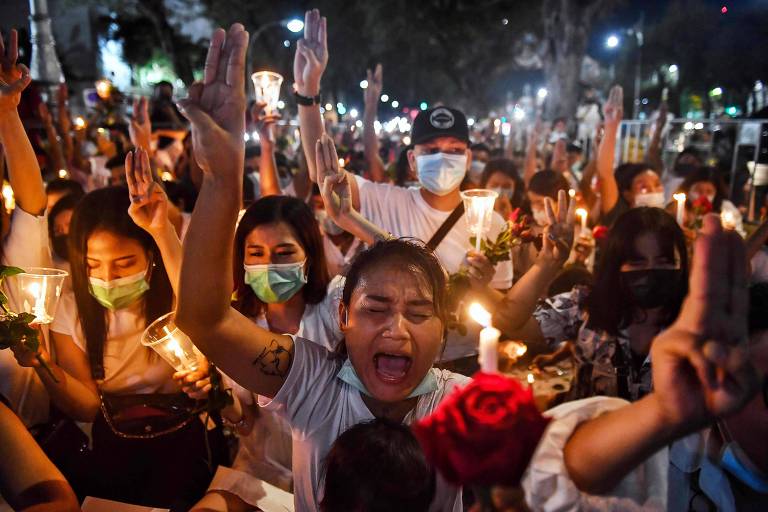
274, 360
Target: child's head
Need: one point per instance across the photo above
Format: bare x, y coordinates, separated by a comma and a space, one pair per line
377, 466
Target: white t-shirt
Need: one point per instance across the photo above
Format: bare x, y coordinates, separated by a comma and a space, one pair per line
25, 246
404, 212
129, 367
320, 407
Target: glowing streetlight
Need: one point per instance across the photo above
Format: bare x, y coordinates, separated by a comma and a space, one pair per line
612, 41
295, 25
363, 84
395, 103
384, 98
423, 105
673, 69
542, 93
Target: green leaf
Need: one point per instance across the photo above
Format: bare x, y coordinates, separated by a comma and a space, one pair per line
9, 271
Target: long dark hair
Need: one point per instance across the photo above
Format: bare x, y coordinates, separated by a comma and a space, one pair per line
107, 209
608, 305
298, 215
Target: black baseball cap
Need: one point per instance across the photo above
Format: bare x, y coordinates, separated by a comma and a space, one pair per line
439, 122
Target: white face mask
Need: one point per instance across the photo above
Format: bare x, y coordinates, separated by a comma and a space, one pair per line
653, 200
476, 169
540, 217
327, 225
441, 173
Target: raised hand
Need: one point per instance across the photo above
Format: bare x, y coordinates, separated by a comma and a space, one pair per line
216, 107
613, 110
149, 204
45, 114
14, 78
559, 157
311, 56
700, 366
559, 233
334, 182
375, 85
264, 122
140, 127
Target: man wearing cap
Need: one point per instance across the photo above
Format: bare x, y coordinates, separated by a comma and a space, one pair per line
440, 158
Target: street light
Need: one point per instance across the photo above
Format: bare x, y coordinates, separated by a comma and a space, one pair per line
395, 103
384, 98
612, 41
363, 84
673, 69
542, 93
295, 25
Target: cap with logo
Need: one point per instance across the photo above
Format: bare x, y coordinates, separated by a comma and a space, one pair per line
439, 122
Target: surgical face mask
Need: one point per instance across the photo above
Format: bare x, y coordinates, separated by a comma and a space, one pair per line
651, 288
348, 374
273, 283
119, 293
441, 173
507, 192
653, 200
60, 246
476, 169
540, 217
737, 463
327, 224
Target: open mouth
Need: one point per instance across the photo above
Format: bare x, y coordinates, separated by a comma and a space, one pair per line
391, 368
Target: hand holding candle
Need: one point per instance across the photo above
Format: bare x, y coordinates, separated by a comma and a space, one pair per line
267, 87
582, 213
171, 344
488, 355
728, 220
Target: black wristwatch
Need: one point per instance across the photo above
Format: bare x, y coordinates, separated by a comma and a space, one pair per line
307, 101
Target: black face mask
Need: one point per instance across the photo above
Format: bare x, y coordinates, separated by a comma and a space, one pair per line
651, 288
60, 247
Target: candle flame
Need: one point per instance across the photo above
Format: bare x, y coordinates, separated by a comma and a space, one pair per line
79, 122
679, 197
571, 193
531, 379
479, 314
581, 212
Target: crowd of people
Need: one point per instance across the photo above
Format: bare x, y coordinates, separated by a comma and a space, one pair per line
315, 270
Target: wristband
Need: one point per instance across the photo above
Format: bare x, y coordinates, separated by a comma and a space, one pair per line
306, 101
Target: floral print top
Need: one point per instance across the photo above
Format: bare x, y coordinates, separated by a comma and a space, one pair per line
605, 364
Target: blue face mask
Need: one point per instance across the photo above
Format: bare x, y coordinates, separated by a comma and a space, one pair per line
348, 374
274, 283
441, 173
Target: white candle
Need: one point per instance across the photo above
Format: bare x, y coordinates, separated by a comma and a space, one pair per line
728, 220
680, 198
582, 213
488, 352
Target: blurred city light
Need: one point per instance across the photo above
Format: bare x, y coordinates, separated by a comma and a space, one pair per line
295, 25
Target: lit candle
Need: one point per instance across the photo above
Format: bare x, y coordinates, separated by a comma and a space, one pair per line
582, 213
728, 220
571, 193
680, 198
531, 379
79, 123
341, 163
488, 351
478, 211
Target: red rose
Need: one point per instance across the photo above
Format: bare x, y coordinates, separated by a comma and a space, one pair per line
514, 215
702, 206
484, 433
600, 232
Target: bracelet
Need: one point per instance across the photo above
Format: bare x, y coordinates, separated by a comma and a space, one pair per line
306, 101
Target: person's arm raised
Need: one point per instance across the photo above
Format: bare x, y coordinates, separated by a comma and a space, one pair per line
370, 140
24, 171
269, 184
613, 111
701, 371
149, 211
55, 152
140, 126
254, 357
335, 189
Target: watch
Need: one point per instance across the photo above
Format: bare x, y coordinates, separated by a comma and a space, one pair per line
307, 101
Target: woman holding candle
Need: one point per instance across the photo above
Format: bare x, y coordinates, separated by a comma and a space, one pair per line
26, 243
705, 190
639, 287
125, 257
